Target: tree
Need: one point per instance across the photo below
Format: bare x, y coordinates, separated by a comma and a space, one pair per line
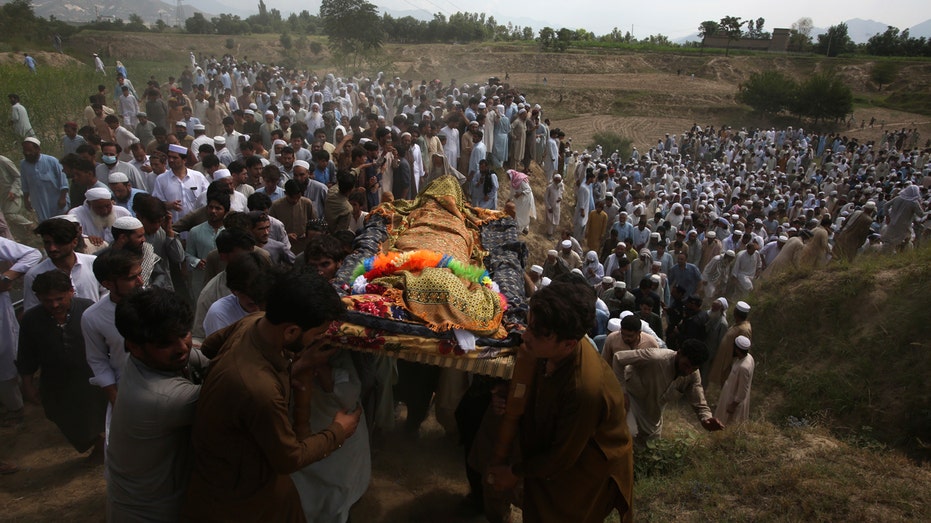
136, 24
352, 27
800, 34
835, 41
823, 96
730, 26
563, 38
884, 73
160, 25
769, 92
547, 38
285, 40
708, 28
197, 24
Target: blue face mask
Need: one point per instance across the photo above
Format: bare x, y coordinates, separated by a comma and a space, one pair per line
109, 160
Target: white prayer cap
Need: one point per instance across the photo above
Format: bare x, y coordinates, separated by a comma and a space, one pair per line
70, 217
566, 244
730, 253
181, 124
552, 252
655, 278
279, 142
607, 280
249, 111
221, 173
577, 271
127, 223
481, 105
301, 163
200, 127
97, 193
620, 285
545, 281
742, 306
33, 140
219, 140
119, 178
743, 343
614, 324
723, 301
180, 149
657, 263
253, 106
782, 238
654, 236
536, 269
870, 205
622, 245
625, 314
711, 234
269, 113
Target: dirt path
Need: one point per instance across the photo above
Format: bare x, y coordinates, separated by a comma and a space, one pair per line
413, 480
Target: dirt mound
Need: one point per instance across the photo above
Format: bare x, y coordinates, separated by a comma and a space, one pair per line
43, 59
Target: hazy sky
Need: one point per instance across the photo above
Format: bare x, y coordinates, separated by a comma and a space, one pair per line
673, 18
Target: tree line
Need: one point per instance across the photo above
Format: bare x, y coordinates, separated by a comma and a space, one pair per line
19, 22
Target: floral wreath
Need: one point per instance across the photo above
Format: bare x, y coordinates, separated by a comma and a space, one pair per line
386, 264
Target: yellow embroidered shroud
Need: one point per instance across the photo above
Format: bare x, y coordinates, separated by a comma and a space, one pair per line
438, 219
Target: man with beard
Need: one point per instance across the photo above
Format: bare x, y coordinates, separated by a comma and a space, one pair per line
630, 336
123, 192
97, 215
260, 228
45, 187
120, 272
59, 238
553, 199
734, 402
129, 235
715, 276
243, 439
148, 456
721, 364
156, 223
649, 374
715, 328
747, 267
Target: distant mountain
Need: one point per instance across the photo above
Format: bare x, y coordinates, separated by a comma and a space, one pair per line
89, 10
921, 30
860, 30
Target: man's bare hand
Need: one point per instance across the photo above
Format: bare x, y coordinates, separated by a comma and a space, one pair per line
349, 421
712, 424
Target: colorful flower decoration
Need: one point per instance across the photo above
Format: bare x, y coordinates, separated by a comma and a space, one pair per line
389, 263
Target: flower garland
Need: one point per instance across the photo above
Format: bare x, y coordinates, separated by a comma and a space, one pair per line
389, 263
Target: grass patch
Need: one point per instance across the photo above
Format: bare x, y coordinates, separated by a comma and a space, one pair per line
850, 343
610, 142
908, 101
761, 471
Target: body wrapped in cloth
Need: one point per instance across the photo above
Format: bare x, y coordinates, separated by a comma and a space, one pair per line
429, 267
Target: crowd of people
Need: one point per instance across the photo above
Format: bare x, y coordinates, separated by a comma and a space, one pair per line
193, 229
